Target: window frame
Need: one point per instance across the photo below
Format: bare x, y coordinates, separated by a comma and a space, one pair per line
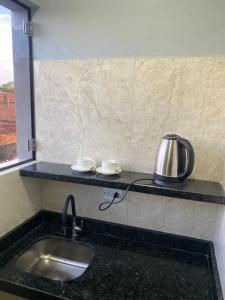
32, 103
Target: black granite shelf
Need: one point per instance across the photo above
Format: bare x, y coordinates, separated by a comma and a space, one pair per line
198, 190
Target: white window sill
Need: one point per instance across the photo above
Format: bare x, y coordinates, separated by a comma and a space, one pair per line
13, 169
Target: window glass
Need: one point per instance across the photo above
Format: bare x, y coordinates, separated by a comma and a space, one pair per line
15, 85
8, 143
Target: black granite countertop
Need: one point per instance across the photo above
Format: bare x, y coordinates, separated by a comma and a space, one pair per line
199, 190
121, 269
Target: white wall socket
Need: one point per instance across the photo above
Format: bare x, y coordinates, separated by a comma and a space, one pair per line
108, 194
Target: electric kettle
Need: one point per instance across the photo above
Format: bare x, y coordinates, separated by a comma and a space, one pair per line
174, 162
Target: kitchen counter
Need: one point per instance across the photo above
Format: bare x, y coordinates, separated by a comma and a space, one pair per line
129, 264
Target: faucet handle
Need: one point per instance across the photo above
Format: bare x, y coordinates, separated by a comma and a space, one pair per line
81, 224
77, 228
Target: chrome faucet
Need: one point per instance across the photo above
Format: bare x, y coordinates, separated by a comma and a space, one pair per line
75, 228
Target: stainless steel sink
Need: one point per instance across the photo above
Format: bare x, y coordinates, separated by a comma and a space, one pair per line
56, 258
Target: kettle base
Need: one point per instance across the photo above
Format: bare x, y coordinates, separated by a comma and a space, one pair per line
169, 184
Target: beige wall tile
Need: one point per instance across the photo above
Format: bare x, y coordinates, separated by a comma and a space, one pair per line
154, 81
29, 194
106, 109
88, 199
121, 108
194, 219
179, 95
178, 216
6, 296
20, 199
147, 211
58, 118
87, 105
55, 193
223, 180
219, 243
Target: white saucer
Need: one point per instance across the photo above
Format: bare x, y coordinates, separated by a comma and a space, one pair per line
75, 168
99, 170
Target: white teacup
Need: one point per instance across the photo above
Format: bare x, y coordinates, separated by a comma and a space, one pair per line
110, 166
85, 163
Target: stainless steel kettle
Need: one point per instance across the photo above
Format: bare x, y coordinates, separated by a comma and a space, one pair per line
175, 161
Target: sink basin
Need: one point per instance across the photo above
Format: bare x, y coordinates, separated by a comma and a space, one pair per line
56, 259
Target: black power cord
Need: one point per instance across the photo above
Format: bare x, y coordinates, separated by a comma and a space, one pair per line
107, 204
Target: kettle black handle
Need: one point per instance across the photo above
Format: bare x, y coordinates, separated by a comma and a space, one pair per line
190, 158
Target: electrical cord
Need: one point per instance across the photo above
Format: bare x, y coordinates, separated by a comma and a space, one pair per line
107, 204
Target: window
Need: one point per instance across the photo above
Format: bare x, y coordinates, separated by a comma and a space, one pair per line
16, 130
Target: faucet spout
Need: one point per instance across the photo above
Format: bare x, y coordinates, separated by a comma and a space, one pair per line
75, 228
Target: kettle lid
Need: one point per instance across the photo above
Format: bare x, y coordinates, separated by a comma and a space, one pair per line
171, 136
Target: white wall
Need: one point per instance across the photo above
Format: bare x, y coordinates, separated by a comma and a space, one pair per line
71, 29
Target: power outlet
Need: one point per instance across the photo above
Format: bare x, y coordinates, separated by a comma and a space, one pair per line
108, 194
